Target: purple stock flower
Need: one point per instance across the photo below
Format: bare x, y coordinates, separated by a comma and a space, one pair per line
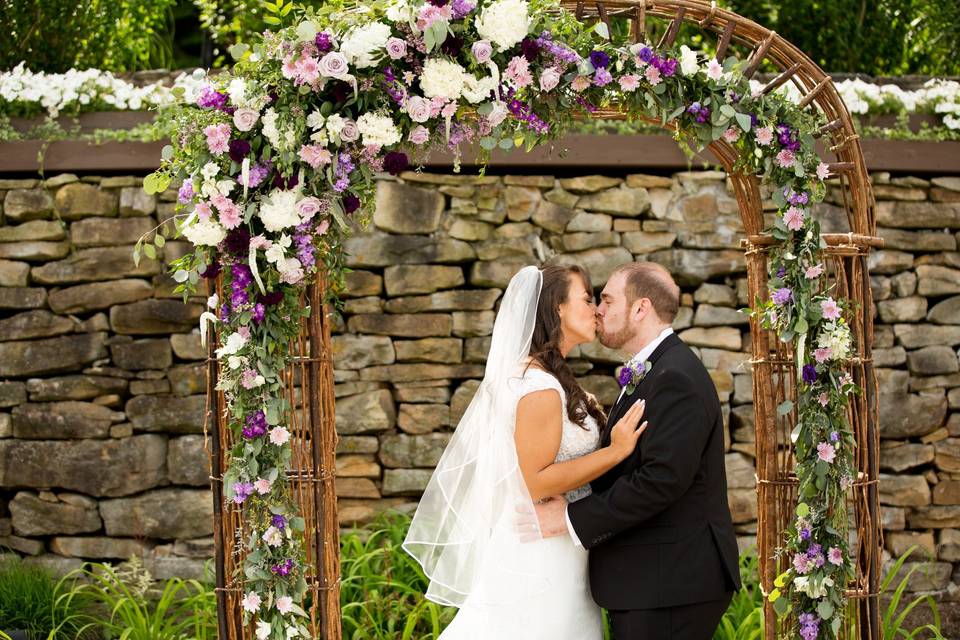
558, 51
599, 59
809, 626
395, 162
258, 172
238, 150
278, 521
241, 275
809, 373
259, 312
602, 77
185, 193
256, 425
238, 298
814, 549
782, 296
782, 271
834, 436
350, 203
210, 98
805, 534
242, 491
461, 8
323, 42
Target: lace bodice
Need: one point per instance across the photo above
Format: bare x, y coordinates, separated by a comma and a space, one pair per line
575, 441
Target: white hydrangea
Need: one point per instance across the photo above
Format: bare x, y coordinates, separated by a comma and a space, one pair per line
208, 233
363, 46
478, 89
504, 22
269, 126
442, 78
401, 11
378, 129
279, 210
836, 337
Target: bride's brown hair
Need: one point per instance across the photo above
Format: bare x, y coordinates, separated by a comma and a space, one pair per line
547, 334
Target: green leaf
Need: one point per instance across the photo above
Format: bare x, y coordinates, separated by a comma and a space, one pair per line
601, 30
744, 121
825, 609
159, 240
803, 510
180, 275
728, 111
167, 152
271, 20
488, 143
782, 606
150, 251
506, 144
785, 407
238, 50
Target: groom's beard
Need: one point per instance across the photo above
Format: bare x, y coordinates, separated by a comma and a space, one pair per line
616, 339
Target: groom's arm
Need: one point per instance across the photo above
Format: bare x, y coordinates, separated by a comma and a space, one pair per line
670, 456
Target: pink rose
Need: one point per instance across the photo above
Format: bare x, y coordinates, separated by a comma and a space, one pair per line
549, 79
419, 135
419, 108
629, 82
349, 132
308, 207
244, 119
482, 51
396, 48
333, 65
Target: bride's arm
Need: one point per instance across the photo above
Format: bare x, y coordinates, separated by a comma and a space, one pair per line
537, 436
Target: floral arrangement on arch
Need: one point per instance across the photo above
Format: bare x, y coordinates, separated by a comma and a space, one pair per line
278, 159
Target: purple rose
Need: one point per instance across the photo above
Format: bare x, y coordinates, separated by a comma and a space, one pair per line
396, 48
482, 50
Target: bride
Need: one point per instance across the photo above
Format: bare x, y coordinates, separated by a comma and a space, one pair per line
529, 433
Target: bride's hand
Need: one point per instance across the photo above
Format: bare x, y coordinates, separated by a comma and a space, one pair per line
624, 435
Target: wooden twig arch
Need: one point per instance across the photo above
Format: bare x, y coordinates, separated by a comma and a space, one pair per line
309, 374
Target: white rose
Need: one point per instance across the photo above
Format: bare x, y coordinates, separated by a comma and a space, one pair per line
237, 90
378, 130
315, 120
205, 233
505, 22
279, 210
442, 79
362, 45
335, 123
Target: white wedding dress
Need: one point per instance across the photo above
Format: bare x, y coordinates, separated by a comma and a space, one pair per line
561, 607
465, 531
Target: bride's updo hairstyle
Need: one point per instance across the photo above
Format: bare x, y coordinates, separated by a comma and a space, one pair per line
547, 335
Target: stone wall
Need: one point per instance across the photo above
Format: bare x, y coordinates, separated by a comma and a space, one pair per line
101, 399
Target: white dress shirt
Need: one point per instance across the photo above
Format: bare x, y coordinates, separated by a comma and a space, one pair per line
643, 355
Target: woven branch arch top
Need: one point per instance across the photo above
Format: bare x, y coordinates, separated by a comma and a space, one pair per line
309, 375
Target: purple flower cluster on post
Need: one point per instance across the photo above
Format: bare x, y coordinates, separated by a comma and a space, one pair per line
782, 296
185, 193
787, 138
794, 198
283, 568
666, 66
809, 373
809, 626
344, 167
256, 425
240, 280
525, 114
242, 491
210, 98
700, 113
278, 521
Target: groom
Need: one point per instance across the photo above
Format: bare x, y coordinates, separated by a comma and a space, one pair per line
663, 553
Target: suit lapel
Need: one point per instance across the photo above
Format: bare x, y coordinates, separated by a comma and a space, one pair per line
621, 406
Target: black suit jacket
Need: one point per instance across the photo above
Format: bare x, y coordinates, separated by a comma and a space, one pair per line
658, 525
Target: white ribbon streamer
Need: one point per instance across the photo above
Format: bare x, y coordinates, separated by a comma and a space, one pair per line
252, 262
204, 318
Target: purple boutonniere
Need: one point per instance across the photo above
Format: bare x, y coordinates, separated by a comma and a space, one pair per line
632, 372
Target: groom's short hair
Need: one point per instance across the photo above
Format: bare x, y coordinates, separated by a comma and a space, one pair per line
652, 281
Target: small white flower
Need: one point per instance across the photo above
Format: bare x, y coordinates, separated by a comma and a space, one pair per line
209, 170
263, 630
688, 61
213, 301
273, 536
251, 602
315, 120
